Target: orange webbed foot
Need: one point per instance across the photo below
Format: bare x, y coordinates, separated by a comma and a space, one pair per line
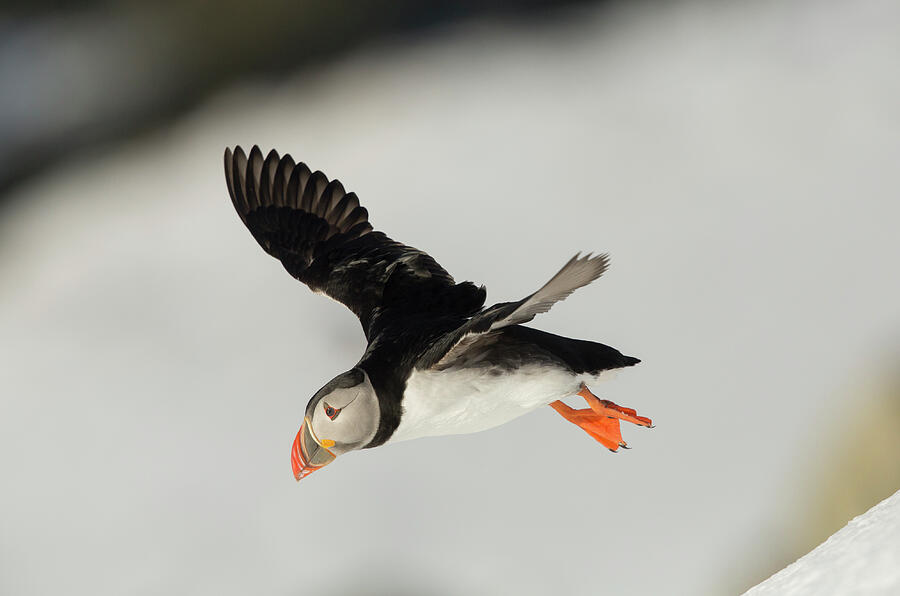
603, 429
601, 420
604, 407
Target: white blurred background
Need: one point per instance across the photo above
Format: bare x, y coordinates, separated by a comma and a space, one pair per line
738, 160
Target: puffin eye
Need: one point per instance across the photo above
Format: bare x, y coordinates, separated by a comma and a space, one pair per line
331, 412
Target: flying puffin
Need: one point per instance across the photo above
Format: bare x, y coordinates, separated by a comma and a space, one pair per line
437, 362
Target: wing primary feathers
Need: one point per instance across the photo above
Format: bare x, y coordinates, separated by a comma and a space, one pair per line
239, 182
310, 194
358, 216
317, 183
254, 169
333, 193
303, 174
264, 188
280, 181
322, 236
293, 189
267, 180
343, 208
229, 177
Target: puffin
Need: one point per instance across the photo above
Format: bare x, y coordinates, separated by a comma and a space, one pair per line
437, 361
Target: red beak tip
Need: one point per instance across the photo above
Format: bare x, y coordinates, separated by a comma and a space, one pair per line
297, 461
301, 462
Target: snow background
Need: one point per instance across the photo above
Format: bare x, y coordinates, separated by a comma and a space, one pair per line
862, 558
737, 160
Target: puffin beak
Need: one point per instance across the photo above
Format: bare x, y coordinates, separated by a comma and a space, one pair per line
308, 453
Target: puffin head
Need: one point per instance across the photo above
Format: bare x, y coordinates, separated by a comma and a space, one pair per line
342, 416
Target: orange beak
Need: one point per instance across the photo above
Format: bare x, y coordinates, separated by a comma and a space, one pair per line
308, 454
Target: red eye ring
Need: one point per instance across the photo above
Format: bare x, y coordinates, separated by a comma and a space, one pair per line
332, 412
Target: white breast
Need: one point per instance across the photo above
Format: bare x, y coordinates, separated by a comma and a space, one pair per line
468, 400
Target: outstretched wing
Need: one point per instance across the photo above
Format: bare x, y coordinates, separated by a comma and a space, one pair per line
323, 237
578, 272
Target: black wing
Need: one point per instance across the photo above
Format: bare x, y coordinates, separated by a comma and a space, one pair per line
323, 237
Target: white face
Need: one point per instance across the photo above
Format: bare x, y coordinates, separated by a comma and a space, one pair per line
344, 413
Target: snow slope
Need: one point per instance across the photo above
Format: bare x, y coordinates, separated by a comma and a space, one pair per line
862, 558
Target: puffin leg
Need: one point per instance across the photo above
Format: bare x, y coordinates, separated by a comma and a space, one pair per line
603, 429
604, 407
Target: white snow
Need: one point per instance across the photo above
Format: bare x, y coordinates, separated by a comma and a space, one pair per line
861, 558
